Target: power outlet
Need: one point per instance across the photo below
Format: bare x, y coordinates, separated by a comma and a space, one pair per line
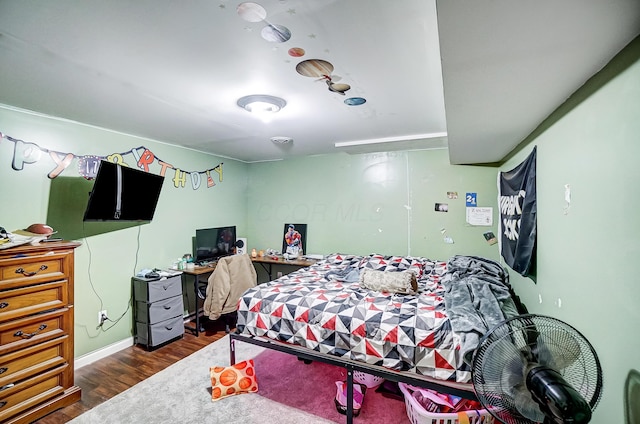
102, 317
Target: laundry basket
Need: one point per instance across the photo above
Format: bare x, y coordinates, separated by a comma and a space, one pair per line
418, 415
369, 380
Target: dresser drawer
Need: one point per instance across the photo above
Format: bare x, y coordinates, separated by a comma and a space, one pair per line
29, 331
29, 300
155, 334
152, 291
36, 330
17, 398
24, 271
150, 313
25, 363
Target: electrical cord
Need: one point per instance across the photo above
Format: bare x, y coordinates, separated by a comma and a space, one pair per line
86, 242
101, 326
135, 265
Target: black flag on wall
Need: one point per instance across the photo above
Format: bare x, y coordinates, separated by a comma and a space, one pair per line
517, 205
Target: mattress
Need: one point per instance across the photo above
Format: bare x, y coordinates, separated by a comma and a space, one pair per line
323, 308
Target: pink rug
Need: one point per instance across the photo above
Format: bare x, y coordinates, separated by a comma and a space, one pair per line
311, 388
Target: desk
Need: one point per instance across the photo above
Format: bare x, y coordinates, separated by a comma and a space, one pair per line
267, 263
199, 271
196, 273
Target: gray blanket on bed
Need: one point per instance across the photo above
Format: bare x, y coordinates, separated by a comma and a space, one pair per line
477, 298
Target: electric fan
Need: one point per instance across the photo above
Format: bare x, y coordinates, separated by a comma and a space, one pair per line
536, 369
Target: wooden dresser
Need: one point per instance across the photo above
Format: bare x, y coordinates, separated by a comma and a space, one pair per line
36, 331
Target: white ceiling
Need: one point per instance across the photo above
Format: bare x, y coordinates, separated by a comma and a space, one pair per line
507, 64
173, 71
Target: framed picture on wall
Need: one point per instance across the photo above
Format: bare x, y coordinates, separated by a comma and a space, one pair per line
294, 240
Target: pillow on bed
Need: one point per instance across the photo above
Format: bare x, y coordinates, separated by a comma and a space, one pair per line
233, 380
394, 263
394, 282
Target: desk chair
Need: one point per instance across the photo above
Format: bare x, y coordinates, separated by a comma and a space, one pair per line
229, 319
232, 277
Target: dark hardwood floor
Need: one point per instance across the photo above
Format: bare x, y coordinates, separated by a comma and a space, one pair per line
103, 379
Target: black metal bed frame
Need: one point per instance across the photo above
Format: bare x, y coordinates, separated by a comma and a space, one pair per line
464, 390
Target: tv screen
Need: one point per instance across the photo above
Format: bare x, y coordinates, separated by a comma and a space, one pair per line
213, 243
121, 193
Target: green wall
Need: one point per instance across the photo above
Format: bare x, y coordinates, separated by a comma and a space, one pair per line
110, 253
586, 272
381, 203
371, 203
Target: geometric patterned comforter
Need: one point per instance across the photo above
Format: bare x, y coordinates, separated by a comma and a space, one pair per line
323, 307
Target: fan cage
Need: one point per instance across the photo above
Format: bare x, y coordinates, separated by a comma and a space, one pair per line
502, 354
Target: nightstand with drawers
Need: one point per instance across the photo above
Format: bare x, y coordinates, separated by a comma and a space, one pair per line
158, 310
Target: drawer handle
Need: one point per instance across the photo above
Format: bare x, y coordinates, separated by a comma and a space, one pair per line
30, 274
3, 305
167, 307
2, 404
5, 387
3, 370
28, 336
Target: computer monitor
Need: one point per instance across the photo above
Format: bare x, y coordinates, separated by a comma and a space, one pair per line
214, 243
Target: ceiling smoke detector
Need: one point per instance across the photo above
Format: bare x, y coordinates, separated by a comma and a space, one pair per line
281, 140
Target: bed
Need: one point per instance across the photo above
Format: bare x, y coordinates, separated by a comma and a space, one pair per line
424, 334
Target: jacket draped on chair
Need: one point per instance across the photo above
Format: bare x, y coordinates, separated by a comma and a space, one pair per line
232, 276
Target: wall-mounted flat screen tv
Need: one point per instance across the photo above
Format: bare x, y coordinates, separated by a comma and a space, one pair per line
121, 193
214, 243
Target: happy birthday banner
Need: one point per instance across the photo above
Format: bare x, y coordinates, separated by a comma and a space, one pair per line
29, 153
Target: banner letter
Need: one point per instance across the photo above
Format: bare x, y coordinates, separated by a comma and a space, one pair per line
210, 182
117, 159
62, 163
24, 153
146, 158
195, 180
179, 179
163, 167
218, 169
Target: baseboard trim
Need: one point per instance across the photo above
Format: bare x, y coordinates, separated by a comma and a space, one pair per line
96, 355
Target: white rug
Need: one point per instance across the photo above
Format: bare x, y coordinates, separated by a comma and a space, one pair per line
181, 394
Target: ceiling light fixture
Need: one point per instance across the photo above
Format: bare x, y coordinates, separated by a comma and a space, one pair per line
261, 103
